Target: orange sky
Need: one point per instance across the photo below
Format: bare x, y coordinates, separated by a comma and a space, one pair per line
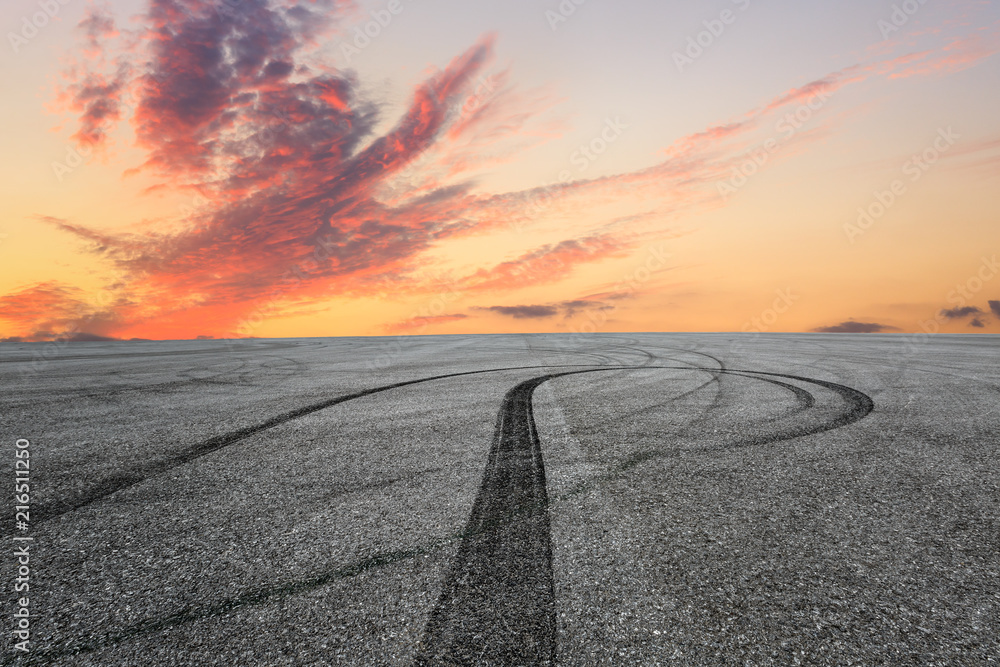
177, 169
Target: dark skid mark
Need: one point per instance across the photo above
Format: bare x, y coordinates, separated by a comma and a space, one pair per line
498, 602
803, 399
124, 480
498, 599
859, 405
148, 353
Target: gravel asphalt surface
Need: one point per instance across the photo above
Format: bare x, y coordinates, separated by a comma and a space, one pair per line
688, 499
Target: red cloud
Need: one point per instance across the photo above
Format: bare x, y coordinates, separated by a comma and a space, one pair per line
818, 88
225, 106
50, 309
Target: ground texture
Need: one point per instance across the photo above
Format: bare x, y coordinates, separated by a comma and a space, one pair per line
602, 499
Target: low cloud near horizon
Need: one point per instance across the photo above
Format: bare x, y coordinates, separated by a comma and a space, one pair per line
568, 309
523, 312
959, 313
856, 327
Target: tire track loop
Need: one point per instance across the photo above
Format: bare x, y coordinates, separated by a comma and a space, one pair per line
674, 399
804, 399
499, 595
495, 517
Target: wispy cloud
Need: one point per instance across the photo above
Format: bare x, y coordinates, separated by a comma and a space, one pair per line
421, 323
959, 54
547, 263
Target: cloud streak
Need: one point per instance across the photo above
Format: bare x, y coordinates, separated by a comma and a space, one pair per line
532, 312
421, 323
547, 263
569, 308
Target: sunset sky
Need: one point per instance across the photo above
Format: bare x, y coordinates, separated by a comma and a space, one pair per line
175, 169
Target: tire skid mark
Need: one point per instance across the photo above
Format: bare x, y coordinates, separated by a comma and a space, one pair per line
803, 399
499, 596
672, 399
488, 519
685, 350
168, 353
859, 404
123, 480
156, 387
690, 366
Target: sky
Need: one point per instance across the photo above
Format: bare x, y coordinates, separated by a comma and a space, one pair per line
296, 168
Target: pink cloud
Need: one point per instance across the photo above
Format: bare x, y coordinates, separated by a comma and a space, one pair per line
546, 264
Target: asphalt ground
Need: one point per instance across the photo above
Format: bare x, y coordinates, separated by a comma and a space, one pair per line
580, 499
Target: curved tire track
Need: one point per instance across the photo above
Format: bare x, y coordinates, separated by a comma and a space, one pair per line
522, 469
498, 599
123, 480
